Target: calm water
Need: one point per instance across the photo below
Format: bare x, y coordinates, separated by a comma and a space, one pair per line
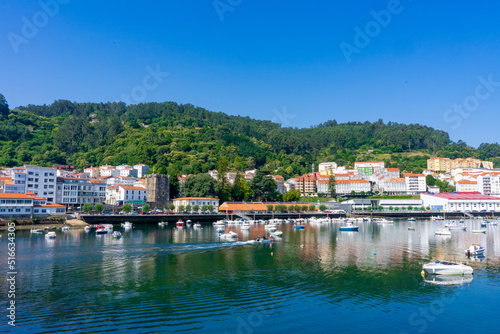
163, 279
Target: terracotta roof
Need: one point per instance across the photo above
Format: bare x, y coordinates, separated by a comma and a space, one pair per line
14, 196
132, 188
467, 182
398, 179
412, 175
393, 169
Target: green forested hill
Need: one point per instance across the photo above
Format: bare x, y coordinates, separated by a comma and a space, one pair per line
187, 139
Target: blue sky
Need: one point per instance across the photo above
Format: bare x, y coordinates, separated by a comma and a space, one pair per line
420, 62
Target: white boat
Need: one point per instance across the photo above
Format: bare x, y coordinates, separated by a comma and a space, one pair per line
197, 225
474, 249
127, 224
478, 231
349, 227
161, 224
86, 228
229, 236
411, 228
384, 221
65, 228
278, 233
437, 218
220, 230
443, 231
189, 222
447, 268
50, 235
36, 230
450, 224
117, 234
101, 230
412, 219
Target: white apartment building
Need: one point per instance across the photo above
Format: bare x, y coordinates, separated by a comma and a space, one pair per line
142, 170
41, 181
75, 192
344, 187
15, 205
127, 181
110, 172
467, 186
94, 172
415, 183
129, 171
461, 202
121, 194
395, 186
489, 184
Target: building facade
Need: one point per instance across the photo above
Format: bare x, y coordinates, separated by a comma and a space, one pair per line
200, 201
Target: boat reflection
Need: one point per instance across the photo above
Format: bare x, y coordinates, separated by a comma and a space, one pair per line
448, 280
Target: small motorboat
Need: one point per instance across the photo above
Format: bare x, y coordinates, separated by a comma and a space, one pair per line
447, 268
443, 231
384, 221
436, 218
474, 250
478, 231
229, 236
298, 227
349, 227
412, 219
161, 224
65, 228
36, 230
101, 230
411, 228
127, 224
197, 225
278, 233
50, 235
117, 235
220, 230
180, 223
188, 222
265, 240
86, 228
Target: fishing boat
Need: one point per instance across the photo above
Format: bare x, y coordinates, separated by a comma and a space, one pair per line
412, 219
474, 250
443, 231
447, 268
180, 223
349, 227
50, 235
117, 235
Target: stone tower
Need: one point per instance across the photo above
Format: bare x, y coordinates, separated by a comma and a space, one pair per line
158, 187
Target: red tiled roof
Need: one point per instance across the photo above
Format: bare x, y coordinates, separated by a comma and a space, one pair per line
466, 196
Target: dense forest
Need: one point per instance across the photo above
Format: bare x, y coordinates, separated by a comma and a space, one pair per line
184, 139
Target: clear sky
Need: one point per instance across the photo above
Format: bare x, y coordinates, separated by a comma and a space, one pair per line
299, 63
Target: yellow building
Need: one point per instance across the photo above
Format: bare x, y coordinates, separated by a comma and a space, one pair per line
447, 164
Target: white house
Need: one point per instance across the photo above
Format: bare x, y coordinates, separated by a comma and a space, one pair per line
15, 205
467, 186
474, 202
200, 201
142, 170
121, 194
395, 186
348, 186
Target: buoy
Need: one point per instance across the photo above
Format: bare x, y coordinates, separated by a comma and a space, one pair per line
271, 253
374, 253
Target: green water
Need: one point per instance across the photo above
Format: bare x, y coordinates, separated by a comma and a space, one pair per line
318, 280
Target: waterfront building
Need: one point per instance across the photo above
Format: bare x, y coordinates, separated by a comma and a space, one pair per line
75, 192
346, 187
121, 194
192, 201
467, 186
142, 170
458, 201
15, 205
395, 186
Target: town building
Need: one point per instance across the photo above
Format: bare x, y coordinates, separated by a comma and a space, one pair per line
467, 186
465, 202
395, 186
121, 194
41, 181
75, 192
368, 167
200, 201
158, 189
346, 187
415, 183
324, 166
142, 170
447, 164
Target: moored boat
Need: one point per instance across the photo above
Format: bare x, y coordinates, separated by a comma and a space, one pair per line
197, 225
101, 230
349, 227
474, 250
478, 231
447, 268
443, 231
50, 235
180, 222
117, 234
298, 227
